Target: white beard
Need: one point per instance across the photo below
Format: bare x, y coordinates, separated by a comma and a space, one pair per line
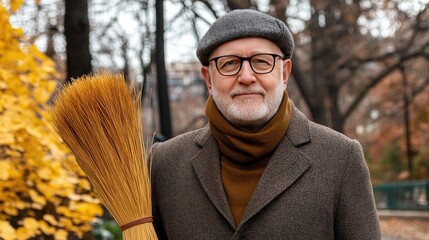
256, 116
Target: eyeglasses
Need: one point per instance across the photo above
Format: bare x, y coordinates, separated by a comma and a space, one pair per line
230, 65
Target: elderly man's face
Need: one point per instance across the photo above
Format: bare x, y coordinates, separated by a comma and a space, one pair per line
248, 99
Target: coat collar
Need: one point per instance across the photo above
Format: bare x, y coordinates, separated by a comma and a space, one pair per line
286, 165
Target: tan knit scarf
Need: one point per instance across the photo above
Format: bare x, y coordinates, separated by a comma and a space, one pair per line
248, 147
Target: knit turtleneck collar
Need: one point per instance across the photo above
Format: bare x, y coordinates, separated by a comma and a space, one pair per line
248, 147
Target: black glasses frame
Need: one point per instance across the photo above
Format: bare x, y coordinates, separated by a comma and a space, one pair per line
242, 59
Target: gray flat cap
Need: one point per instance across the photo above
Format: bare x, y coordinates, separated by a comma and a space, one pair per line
245, 23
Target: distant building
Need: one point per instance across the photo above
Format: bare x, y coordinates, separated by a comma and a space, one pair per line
183, 74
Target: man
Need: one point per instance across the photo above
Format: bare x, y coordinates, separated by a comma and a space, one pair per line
259, 169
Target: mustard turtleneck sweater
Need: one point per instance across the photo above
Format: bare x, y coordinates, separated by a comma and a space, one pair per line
244, 155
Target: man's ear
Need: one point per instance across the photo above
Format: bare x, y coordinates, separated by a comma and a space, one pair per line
207, 79
287, 70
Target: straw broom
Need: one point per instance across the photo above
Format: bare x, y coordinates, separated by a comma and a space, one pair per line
99, 119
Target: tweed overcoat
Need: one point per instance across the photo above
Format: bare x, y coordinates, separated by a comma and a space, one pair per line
315, 186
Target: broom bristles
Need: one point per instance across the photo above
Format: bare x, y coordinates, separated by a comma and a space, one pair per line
99, 118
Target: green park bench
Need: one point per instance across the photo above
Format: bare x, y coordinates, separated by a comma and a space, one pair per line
406, 195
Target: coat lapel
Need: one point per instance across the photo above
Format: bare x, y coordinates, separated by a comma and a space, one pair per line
207, 169
286, 165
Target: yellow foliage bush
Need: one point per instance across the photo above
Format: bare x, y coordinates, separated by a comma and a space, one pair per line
42, 194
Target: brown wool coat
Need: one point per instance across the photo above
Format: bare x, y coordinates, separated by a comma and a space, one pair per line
316, 186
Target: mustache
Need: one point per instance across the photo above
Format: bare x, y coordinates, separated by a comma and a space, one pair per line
249, 90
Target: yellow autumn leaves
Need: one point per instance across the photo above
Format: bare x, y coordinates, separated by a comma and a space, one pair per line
31, 225
42, 192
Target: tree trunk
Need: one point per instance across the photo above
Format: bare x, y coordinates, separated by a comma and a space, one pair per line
126, 68
239, 4
336, 118
163, 99
326, 29
76, 29
321, 47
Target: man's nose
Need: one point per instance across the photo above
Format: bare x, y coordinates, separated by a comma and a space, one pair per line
246, 74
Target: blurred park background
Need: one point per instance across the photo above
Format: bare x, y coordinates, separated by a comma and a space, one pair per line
360, 67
